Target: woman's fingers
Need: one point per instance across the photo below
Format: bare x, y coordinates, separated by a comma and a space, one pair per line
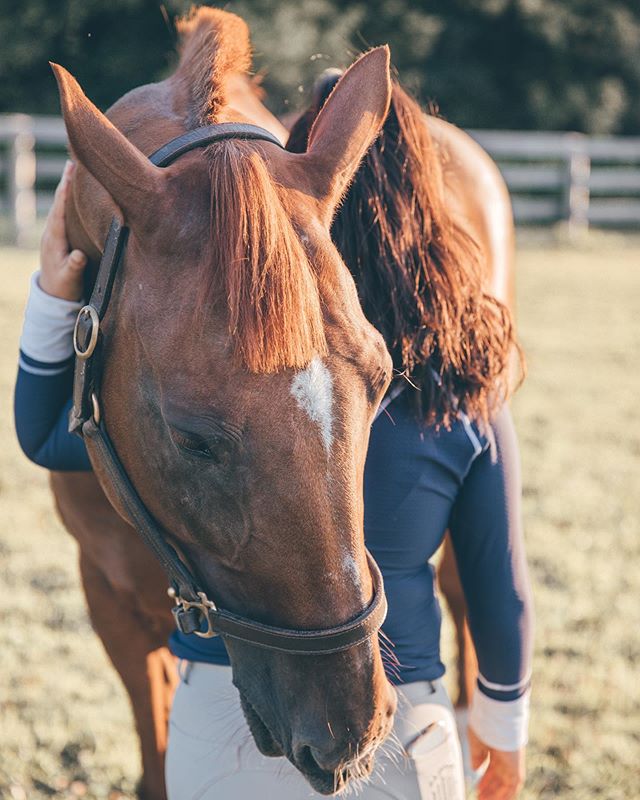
55, 225
76, 261
504, 773
492, 788
64, 278
502, 780
59, 196
60, 270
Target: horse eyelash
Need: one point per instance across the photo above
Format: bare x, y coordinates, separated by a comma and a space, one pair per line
192, 443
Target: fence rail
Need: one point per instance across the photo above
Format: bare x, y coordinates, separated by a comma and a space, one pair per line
582, 180
32, 157
553, 177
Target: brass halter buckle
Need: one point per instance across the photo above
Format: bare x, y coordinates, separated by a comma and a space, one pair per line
204, 606
92, 314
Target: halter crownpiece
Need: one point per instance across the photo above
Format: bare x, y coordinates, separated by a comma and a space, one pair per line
194, 612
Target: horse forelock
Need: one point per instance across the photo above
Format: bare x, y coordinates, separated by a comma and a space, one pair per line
258, 266
213, 44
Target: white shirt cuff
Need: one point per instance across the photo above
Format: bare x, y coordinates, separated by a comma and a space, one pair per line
48, 325
500, 724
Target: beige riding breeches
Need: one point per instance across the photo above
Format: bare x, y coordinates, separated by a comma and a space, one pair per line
212, 756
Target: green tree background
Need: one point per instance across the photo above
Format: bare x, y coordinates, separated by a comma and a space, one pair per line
530, 64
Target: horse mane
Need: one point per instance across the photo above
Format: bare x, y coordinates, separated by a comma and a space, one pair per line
213, 44
419, 274
257, 262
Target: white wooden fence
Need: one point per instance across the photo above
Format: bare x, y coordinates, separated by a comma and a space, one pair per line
583, 180
32, 157
553, 177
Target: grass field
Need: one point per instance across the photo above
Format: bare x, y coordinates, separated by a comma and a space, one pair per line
65, 728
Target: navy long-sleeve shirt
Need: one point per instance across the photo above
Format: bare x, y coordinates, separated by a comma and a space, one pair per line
418, 483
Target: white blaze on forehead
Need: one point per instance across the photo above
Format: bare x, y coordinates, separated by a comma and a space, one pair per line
313, 391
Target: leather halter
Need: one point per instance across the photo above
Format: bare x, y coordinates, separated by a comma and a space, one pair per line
194, 612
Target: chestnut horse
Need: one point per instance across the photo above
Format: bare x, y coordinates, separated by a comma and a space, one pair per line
273, 523
240, 382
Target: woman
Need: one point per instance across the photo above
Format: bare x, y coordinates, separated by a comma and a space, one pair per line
442, 454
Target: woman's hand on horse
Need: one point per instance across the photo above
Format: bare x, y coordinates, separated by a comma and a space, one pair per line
60, 269
505, 772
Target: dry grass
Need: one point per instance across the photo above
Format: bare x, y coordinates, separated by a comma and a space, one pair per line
66, 729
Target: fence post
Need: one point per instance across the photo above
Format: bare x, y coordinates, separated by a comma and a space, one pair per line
576, 185
21, 178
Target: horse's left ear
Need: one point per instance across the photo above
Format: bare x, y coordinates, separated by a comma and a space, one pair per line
347, 126
134, 183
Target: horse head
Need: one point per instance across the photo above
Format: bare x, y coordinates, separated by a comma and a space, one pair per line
241, 376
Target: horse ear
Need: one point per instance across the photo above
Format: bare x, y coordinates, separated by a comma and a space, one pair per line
133, 182
347, 125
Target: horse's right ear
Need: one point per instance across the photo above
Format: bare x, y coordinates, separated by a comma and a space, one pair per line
347, 126
133, 182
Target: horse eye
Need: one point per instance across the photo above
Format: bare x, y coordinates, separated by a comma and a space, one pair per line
194, 444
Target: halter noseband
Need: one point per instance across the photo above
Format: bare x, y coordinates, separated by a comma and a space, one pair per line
194, 612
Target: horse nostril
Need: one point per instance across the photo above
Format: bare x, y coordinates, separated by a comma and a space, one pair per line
306, 761
331, 771
328, 762
310, 759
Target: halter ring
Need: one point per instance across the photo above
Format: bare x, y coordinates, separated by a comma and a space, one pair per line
95, 327
204, 606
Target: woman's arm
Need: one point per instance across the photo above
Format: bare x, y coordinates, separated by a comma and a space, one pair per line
486, 531
45, 370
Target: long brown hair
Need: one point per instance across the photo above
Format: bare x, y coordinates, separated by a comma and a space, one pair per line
418, 273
